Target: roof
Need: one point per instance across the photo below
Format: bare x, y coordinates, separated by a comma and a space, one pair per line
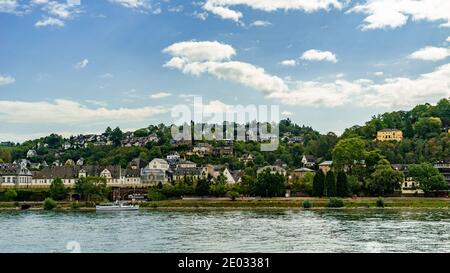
272, 168
237, 175
389, 130
188, 171
303, 170
326, 163
9, 169
72, 172
310, 158
160, 161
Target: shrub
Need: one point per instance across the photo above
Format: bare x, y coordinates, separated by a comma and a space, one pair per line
380, 202
49, 204
335, 203
75, 205
154, 195
233, 195
306, 204
10, 194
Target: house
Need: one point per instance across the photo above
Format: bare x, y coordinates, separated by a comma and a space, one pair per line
156, 172
308, 161
233, 177
247, 158
132, 141
214, 170
159, 164
185, 164
14, 175
222, 151
444, 169
71, 174
273, 170
80, 162
69, 162
202, 149
194, 174
31, 153
325, 166
300, 173
173, 157
131, 177
409, 185
138, 164
389, 134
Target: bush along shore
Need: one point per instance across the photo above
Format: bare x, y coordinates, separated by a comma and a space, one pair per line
247, 203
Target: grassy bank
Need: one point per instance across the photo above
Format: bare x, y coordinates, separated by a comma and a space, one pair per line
270, 203
297, 203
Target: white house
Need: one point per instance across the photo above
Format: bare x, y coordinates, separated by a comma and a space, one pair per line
233, 177
159, 164
31, 153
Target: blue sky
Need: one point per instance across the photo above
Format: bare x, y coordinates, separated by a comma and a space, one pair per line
79, 66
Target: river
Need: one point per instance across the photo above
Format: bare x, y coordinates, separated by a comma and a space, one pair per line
358, 230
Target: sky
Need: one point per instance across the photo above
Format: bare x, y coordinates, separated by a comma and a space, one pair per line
78, 66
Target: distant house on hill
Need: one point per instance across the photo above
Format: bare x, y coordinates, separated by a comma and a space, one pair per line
326, 166
389, 135
272, 170
308, 161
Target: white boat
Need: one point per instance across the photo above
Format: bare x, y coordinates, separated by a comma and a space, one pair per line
117, 206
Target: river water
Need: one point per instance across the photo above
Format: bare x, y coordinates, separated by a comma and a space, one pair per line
358, 230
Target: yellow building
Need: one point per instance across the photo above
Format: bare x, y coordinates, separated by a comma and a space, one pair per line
389, 134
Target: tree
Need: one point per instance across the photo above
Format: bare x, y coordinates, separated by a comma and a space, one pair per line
141, 132
428, 177
428, 127
384, 180
10, 194
5, 156
342, 184
116, 136
202, 187
57, 190
304, 184
49, 204
349, 152
269, 185
330, 184
319, 184
91, 187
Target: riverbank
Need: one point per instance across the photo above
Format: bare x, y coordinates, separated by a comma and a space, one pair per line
249, 203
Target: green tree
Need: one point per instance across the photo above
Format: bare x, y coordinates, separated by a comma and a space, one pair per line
319, 184
141, 133
342, 184
428, 177
428, 127
57, 190
269, 185
384, 180
202, 187
330, 184
91, 188
49, 204
349, 152
304, 184
116, 136
11, 194
5, 156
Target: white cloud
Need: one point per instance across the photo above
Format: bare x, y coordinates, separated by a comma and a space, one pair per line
391, 92
396, 13
289, 63
378, 74
317, 55
193, 51
160, 95
448, 39
8, 6
69, 112
133, 4
97, 103
5, 80
430, 53
106, 76
82, 64
259, 23
287, 113
49, 22
222, 8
